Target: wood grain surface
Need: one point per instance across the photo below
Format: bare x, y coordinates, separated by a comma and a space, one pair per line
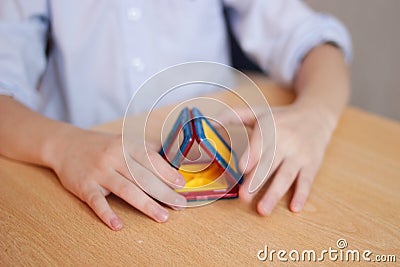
355, 197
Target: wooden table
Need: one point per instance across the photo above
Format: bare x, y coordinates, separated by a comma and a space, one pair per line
355, 196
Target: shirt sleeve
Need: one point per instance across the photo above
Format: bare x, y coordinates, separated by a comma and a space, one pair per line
277, 34
23, 38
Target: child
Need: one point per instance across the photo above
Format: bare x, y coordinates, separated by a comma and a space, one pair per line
67, 65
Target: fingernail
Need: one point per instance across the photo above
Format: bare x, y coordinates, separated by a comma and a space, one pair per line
264, 209
181, 207
245, 195
296, 207
162, 215
180, 181
179, 202
116, 223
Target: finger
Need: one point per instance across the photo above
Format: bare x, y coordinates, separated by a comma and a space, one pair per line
246, 116
262, 140
98, 203
153, 161
302, 190
133, 195
244, 193
260, 174
253, 152
264, 167
155, 187
278, 159
283, 179
262, 151
154, 145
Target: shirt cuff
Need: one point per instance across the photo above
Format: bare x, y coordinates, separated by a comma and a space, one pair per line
316, 30
23, 96
4, 89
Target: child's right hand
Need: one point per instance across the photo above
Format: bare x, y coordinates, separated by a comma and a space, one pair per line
91, 165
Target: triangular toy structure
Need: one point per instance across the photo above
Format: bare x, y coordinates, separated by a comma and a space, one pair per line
203, 157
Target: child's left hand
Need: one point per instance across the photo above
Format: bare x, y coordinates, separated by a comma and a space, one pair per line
302, 134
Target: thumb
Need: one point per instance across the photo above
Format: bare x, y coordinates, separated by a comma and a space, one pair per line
245, 116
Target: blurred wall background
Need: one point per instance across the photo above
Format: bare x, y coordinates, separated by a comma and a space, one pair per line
375, 29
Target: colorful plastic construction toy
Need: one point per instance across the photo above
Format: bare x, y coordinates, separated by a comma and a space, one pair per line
203, 157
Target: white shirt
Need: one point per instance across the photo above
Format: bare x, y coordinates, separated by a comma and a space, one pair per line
102, 51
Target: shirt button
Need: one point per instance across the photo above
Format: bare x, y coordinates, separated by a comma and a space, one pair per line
137, 64
134, 14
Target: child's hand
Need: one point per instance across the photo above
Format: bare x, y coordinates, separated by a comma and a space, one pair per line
302, 134
91, 165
